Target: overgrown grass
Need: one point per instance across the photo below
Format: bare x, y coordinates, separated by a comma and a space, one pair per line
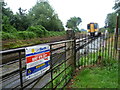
55, 33
97, 78
63, 78
22, 43
25, 35
89, 59
25, 38
103, 76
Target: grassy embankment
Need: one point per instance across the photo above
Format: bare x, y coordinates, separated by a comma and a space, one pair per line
24, 40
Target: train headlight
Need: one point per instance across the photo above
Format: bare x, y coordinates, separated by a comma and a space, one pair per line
96, 33
89, 34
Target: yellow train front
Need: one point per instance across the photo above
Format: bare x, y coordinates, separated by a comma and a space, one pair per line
93, 29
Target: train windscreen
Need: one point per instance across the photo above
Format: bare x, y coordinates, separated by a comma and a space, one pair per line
95, 26
88, 26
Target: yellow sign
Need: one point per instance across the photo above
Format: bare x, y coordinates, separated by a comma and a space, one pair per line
40, 65
32, 50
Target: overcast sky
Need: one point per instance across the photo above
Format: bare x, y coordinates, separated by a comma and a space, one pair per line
87, 10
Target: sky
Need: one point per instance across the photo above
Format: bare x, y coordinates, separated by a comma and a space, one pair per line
87, 10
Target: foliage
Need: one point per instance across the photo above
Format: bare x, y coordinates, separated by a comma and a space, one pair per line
39, 30
6, 11
6, 36
30, 25
40, 14
116, 6
55, 33
73, 22
111, 21
20, 22
43, 14
8, 28
111, 18
26, 35
60, 79
97, 78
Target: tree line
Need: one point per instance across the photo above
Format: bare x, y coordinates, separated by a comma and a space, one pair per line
110, 21
40, 20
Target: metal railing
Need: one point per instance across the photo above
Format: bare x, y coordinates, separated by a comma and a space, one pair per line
82, 52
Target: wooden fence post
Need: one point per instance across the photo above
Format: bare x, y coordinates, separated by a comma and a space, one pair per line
70, 46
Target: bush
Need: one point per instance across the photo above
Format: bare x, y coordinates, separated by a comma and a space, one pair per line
39, 30
8, 28
56, 33
31, 34
6, 36
26, 35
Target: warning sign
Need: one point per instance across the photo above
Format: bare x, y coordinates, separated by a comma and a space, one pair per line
37, 60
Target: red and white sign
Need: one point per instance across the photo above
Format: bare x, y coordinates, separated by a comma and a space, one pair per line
37, 60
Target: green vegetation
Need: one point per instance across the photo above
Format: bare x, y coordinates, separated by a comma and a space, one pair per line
73, 23
103, 75
53, 33
97, 78
63, 78
43, 14
24, 29
92, 58
31, 33
111, 18
117, 5
26, 38
37, 23
111, 22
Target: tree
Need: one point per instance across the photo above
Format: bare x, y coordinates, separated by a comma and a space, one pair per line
7, 16
43, 14
73, 23
6, 11
20, 20
116, 6
111, 18
111, 21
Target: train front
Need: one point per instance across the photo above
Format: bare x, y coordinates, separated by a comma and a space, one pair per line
92, 29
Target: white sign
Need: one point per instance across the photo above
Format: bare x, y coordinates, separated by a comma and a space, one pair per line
37, 60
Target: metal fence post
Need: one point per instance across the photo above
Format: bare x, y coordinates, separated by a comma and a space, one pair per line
75, 52
118, 65
20, 69
69, 45
51, 67
116, 32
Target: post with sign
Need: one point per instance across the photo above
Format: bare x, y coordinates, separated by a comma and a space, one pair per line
37, 60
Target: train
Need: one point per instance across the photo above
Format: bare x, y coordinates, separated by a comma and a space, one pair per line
93, 29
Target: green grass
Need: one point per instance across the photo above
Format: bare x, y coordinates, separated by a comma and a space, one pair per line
22, 43
97, 78
55, 33
62, 78
28, 39
105, 76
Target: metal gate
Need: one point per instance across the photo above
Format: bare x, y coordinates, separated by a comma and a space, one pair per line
78, 51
